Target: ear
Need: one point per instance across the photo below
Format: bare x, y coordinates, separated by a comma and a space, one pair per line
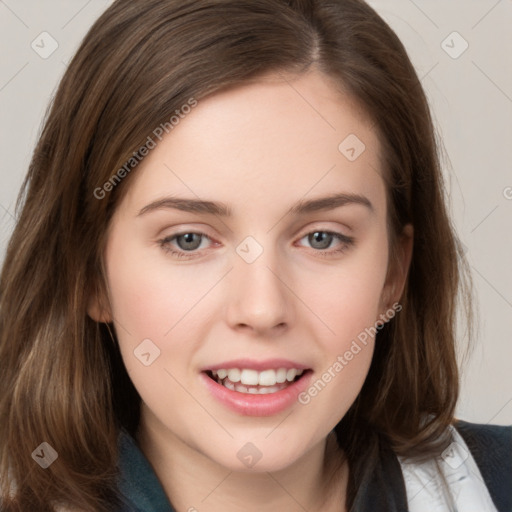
97, 307
398, 269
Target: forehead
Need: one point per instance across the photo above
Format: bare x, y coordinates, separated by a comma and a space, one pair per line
275, 139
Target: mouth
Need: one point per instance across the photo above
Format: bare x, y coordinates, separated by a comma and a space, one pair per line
250, 387
253, 382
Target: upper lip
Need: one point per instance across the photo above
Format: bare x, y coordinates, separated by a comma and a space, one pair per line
252, 364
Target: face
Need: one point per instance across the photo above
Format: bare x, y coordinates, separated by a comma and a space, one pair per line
274, 290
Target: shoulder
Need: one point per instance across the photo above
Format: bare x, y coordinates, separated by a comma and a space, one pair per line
490, 445
492, 437
491, 448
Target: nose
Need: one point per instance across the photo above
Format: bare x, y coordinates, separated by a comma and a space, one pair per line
259, 298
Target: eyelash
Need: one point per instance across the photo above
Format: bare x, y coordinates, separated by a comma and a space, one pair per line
347, 242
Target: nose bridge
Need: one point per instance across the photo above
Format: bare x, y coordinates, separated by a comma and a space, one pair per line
258, 296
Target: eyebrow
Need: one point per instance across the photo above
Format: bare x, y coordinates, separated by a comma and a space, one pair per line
223, 210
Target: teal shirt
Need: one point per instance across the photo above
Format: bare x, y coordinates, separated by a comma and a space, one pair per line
382, 484
138, 483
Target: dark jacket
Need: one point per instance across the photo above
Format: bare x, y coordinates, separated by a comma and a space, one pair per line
384, 487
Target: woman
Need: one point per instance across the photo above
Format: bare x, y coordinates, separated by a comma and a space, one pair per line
233, 282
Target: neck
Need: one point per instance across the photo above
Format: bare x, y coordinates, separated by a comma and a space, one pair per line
316, 481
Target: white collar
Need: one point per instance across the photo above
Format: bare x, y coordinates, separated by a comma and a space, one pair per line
425, 492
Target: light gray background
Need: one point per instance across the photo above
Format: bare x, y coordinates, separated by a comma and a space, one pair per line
470, 94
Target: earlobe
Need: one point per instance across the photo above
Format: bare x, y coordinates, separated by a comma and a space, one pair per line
97, 310
97, 314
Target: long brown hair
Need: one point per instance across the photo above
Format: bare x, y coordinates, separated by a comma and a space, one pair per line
62, 378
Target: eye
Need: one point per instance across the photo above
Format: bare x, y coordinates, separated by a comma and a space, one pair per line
186, 242
321, 240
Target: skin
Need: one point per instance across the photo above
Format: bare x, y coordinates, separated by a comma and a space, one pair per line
259, 148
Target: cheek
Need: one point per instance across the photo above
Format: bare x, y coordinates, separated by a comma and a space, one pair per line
347, 302
153, 299
349, 315
151, 295
347, 298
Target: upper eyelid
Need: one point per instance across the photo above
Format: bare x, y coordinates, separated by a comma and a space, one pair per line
305, 231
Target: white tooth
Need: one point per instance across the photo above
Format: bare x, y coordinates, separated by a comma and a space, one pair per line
253, 391
249, 377
240, 388
229, 385
291, 374
222, 374
267, 378
281, 375
234, 375
300, 372
214, 373
272, 389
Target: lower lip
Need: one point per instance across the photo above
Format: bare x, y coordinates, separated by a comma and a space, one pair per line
258, 405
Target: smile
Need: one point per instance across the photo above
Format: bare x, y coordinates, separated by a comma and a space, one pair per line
255, 382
